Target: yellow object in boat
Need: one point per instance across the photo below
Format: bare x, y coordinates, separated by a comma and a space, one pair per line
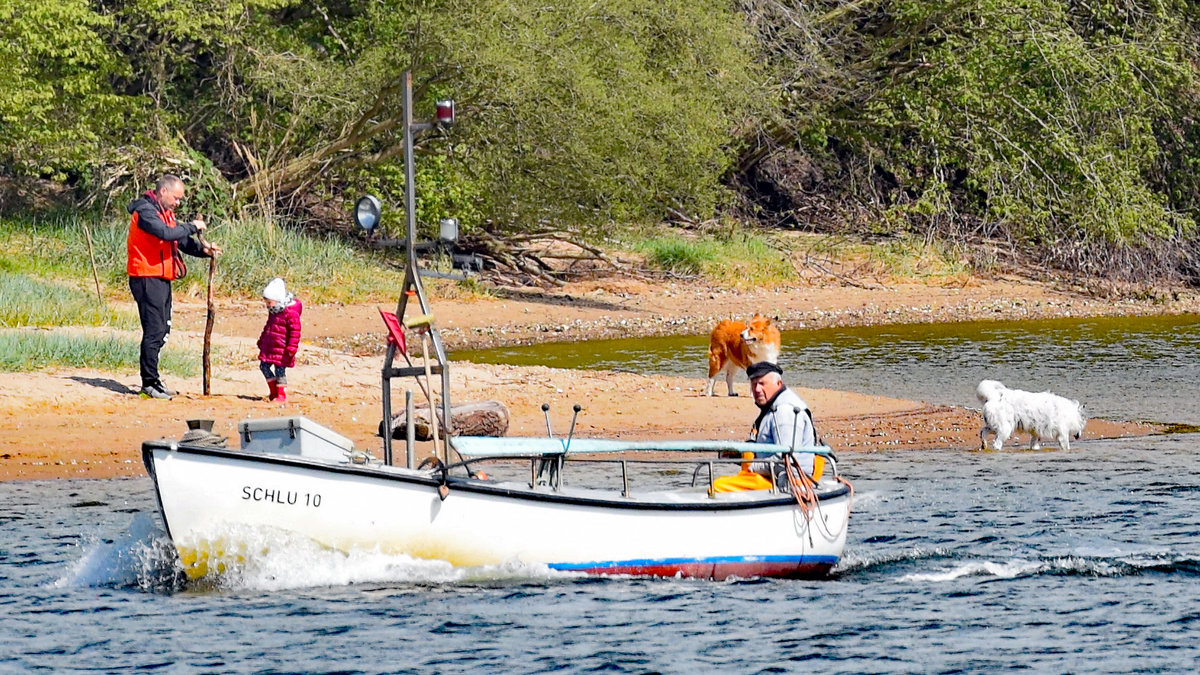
742, 480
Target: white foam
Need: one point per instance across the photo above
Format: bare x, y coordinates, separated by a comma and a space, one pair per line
269, 559
142, 557
983, 568
868, 498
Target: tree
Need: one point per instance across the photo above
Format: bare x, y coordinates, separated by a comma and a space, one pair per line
575, 113
1043, 120
57, 110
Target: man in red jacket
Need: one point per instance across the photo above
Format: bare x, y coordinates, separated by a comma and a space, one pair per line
154, 245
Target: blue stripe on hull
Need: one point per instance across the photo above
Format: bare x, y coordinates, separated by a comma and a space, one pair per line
814, 566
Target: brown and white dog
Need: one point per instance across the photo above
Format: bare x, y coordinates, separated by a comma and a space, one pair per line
735, 345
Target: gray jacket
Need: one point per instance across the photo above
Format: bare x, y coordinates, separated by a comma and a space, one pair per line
780, 424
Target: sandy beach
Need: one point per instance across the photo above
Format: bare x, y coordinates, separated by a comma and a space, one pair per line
89, 424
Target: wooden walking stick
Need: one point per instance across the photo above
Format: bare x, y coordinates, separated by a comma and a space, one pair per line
210, 319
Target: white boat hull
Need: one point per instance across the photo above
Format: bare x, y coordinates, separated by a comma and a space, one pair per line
210, 497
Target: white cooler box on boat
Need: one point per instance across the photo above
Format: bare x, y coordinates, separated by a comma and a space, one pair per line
293, 436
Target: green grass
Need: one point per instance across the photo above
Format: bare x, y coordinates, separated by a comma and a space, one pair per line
30, 350
738, 260
25, 301
318, 269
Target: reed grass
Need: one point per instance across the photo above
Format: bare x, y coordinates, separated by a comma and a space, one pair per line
26, 350
318, 268
25, 301
917, 258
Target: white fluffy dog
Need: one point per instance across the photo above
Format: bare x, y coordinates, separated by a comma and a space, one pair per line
1042, 414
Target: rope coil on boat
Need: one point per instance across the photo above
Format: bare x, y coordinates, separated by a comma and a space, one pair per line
203, 437
804, 490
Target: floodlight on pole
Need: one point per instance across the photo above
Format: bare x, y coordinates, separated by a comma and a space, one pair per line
366, 212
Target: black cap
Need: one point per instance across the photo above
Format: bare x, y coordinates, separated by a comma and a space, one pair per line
762, 368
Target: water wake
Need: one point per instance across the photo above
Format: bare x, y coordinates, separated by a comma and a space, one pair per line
1070, 565
939, 564
289, 562
142, 557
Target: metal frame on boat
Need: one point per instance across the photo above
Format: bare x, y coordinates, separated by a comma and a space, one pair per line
505, 500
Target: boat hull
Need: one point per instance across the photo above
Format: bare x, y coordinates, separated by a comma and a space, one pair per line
216, 504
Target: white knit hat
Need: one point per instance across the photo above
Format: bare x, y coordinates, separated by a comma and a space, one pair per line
276, 290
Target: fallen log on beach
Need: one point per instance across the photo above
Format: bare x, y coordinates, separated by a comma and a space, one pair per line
481, 418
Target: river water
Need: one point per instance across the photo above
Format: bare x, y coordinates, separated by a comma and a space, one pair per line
1130, 368
1074, 561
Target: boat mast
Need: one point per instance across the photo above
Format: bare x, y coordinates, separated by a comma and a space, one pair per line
412, 281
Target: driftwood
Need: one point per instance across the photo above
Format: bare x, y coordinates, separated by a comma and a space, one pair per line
548, 256
482, 418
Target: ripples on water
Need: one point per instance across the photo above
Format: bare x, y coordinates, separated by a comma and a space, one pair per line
1051, 562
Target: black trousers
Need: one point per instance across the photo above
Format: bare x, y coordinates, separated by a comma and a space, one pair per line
153, 297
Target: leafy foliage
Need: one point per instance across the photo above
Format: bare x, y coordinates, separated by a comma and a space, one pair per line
1062, 126
56, 109
1040, 120
604, 111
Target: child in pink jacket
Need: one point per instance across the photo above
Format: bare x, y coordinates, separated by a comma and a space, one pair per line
280, 337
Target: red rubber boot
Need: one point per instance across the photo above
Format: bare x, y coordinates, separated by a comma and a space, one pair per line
281, 393
274, 390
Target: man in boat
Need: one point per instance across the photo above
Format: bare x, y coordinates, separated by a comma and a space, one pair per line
783, 419
154, 260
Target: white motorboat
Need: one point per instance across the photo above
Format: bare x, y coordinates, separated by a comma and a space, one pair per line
573, 504
217, 503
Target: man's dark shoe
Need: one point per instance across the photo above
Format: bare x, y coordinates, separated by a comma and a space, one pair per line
152, 391
163, 388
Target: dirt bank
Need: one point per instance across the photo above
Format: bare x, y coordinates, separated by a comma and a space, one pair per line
81, 423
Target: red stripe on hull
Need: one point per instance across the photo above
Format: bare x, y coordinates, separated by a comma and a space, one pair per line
721, 571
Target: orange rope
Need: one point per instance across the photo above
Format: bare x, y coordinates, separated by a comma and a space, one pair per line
802, 486
803, 489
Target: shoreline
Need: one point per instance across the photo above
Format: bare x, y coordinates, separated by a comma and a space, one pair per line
90, 424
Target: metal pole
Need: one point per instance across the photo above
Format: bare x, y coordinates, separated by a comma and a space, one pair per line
410, 175
413, 275
410, 435
387, 402
387, 414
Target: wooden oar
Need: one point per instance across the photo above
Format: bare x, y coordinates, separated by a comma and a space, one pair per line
210, 319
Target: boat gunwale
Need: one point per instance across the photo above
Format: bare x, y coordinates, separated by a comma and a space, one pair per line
473, 485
